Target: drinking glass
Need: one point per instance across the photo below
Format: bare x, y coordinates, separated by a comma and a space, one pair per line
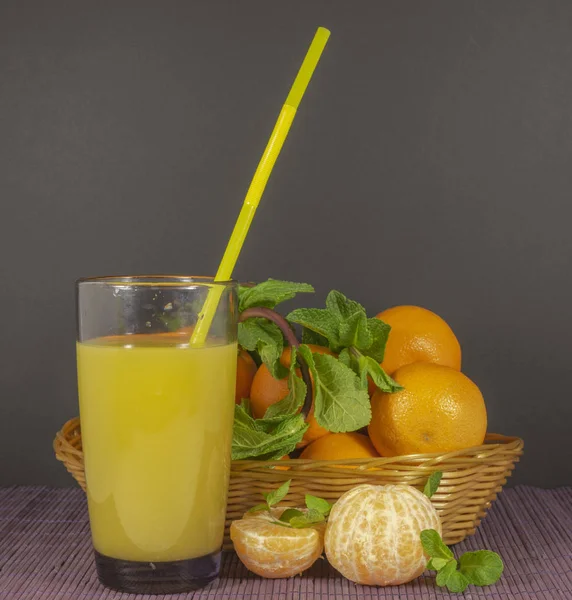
156, 419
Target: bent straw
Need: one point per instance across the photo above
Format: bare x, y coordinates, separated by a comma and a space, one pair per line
258, 184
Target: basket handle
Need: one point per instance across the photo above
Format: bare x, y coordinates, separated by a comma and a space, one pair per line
284, 326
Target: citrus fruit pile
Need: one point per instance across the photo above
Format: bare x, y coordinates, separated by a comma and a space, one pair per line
436, 408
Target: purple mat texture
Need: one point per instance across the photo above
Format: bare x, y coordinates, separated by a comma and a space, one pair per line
45, 554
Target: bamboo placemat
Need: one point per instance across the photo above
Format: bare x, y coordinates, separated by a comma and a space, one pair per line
45, 554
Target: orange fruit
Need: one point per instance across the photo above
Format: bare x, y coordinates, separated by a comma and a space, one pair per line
417, 334
337, 446
245, 372
373, 534
274, 551
439, 410
314, 431
280, 468
266, 391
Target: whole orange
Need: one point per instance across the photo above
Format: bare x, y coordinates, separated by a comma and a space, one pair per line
373, 534
417, 334
439, 410
245, 372
266, 391
338, 446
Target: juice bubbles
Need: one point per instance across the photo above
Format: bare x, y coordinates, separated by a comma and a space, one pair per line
156, 417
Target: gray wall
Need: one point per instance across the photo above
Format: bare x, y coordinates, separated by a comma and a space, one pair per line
429, 164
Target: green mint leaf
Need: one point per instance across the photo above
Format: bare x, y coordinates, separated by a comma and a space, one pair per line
270, 293
319, 504
242, 417
354, 331
432, 483
455, 581
265, 439
311, 337
482, 567
368, 366
479, 568
271, 358
445, 572
277, 453
311, 517
434, 545
285, 436
379, 332
253, 332
352, 321
320, 321
290, 513
245, 405
436, 564
293, 402
345, 358
340, 403
277, 495
258, 508
264, 337
340, 306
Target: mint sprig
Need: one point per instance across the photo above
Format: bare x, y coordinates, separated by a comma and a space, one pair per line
340, 402
277, 495
319, 504
262, 336
296, 395
345, 328
270, 293
265, 439
481, 568
366, 366
307, 519
432, 484
317, 509
272, 498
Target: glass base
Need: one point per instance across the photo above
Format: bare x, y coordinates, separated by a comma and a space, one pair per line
157, 577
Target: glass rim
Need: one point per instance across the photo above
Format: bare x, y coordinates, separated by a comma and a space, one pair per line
156, 281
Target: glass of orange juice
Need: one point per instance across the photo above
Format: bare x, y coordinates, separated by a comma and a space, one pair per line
156, 418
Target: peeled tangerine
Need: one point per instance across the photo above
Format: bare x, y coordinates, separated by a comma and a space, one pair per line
274, 551
373, 532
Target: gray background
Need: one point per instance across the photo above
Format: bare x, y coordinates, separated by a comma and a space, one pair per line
430, 163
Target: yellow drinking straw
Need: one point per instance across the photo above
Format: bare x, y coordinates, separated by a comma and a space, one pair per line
258, 184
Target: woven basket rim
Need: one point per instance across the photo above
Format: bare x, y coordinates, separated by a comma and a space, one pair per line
493, 442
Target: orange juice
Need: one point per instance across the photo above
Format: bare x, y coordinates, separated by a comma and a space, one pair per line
156, 418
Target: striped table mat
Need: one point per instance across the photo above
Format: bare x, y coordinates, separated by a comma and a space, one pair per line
45, 554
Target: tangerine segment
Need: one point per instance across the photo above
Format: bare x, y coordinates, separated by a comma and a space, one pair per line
274, 551
373, 534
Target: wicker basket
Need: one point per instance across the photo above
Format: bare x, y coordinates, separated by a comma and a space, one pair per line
472, 478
